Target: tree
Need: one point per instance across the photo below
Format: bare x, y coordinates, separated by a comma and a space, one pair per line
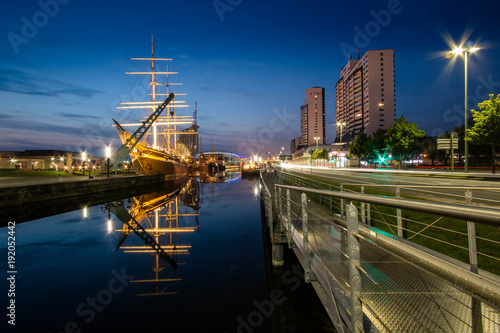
403, 138
486, 129
320, 154
361, 147
379, 146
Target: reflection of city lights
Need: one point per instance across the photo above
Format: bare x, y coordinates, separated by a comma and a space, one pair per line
110, 226
84, 212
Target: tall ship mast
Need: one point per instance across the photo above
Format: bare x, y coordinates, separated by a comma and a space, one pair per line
159, 150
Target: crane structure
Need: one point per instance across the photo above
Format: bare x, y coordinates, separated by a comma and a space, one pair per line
133, 140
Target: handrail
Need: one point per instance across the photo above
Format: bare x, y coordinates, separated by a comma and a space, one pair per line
265, 186
485, 215
453, 187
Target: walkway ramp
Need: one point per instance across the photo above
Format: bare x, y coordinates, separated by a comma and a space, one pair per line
398, 287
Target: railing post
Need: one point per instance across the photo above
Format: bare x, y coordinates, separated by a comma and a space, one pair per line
305, 238
331, 199
363, 205
289, 210
275, 197
270, 218
471, 230
341, 201
399, 219
477, 323
280, 218
368, 214
354, 262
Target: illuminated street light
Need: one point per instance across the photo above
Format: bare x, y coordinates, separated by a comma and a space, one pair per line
341, 124
316, 138
458, 51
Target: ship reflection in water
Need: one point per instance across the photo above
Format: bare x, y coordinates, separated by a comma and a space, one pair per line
158, 224
185, 256
159, 220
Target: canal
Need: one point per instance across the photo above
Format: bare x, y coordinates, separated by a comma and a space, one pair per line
83, 269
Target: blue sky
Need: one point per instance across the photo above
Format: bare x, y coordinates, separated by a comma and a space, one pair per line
247, 63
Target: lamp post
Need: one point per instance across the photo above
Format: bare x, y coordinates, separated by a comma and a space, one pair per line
457, 51
108, 154
316, 138
341, 124
84, 157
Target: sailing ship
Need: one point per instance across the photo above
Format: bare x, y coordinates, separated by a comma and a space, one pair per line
159, 151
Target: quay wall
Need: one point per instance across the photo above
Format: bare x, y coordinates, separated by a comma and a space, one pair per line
18, 195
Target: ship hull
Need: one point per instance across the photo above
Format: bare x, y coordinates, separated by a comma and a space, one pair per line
150, 161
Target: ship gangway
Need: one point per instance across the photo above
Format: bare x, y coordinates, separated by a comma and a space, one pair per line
372, 281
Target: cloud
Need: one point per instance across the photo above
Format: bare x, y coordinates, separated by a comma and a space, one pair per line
6, 116
25, 83
74, 115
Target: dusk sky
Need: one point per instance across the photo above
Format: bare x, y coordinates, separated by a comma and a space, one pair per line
247, 63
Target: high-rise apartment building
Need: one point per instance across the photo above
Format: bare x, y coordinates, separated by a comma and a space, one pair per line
295, 144
312, 117
364, 95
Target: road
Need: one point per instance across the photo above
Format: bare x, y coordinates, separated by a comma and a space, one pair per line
438, 185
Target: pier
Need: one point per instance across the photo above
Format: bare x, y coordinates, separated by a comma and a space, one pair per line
27, 190
369, 280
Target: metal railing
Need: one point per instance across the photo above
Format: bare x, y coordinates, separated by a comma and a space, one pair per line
343, 262
479, 246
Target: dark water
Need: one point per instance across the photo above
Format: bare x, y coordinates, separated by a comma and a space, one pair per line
86, 271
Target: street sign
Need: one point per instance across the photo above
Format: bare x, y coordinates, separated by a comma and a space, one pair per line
444, 147
443, 144
447, 140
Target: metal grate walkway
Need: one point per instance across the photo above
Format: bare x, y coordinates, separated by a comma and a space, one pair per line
398, 294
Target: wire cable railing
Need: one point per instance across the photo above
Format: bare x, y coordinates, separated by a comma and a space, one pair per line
423, 299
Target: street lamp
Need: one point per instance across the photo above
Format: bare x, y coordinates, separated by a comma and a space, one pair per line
84, 157
316, 138
457, 51
341, 124
108, 155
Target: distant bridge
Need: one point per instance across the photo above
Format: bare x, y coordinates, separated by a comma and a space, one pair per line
225, 153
